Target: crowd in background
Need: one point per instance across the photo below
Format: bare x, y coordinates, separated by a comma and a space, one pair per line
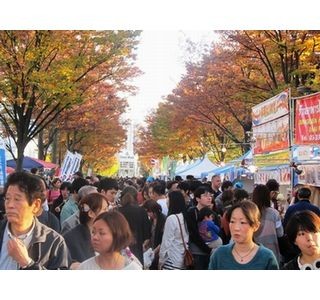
97, 223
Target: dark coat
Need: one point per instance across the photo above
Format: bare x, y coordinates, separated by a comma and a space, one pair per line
47, 248
140, 226
79, 243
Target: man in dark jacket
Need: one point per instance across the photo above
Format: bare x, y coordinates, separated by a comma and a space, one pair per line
25, 243
303, 203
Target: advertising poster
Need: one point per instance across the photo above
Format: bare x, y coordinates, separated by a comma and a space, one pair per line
307, 120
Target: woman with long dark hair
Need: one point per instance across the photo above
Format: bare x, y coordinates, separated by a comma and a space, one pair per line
172, 249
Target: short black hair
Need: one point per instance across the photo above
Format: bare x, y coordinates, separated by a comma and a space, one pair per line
273, 185
77, 184
304, 220
205, 212
304, 193
27, 183
108, 184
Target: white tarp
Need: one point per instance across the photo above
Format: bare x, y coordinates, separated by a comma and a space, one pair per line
198, 169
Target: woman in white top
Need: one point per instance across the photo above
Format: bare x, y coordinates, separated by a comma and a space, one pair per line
172, 250
110, 234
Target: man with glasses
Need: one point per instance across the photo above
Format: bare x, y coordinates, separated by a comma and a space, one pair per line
198, 248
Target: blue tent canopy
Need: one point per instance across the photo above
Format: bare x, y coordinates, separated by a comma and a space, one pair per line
28, 163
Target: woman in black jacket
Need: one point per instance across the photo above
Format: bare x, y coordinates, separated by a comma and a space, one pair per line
158, 220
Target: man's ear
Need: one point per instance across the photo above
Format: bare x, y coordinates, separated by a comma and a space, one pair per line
36, 206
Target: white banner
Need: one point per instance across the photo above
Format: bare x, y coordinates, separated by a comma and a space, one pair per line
70, 165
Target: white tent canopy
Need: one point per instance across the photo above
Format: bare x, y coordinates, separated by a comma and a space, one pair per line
199, 169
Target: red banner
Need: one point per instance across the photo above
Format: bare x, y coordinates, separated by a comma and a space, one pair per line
307, 120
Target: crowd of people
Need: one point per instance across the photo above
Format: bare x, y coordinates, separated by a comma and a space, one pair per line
97, 223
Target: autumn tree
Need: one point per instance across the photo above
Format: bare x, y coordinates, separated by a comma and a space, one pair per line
243, 69
42, 73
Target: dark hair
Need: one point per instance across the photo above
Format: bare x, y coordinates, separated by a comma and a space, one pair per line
77, 184
129, 195
170, 184
205, 212
190, 177
200, 191
108, 184
261, 196
177, 203
119, 227
240, 195
304, 193
272, 185
226, 184
34, 170
27, 183
56, 179
94, 202
184, 186
227, 197
152, 206
178, 178
79, 173
158, 187
65, 184
305, 220
194, 184
249, 209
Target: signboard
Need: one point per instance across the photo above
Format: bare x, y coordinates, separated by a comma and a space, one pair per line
282, 175
70, 165
307, 120
310, 175
271, 109
272, 136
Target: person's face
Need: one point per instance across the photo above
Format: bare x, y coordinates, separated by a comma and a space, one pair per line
240, 229
208, 218
101, 237
65, 193
174, 187
103, 208
151, 193
308, 242
57, 184
216, 183
205, 199
110, 195
151, 215
18, 211
274, 195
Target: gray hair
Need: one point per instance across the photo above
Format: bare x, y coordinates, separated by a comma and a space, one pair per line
86, 190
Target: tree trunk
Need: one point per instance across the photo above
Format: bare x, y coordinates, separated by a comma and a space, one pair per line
19, 162
54, 152
40, 146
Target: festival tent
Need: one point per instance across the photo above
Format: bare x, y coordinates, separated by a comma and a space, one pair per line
30, 162
46, 164
234, 168
198, 169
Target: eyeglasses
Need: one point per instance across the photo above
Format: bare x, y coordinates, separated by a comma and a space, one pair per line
206, 195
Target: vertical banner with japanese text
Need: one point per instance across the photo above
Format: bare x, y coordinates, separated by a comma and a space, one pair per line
307, 120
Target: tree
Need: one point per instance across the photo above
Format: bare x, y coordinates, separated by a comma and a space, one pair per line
42, 73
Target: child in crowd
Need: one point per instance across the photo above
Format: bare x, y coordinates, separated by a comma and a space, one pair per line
208, 230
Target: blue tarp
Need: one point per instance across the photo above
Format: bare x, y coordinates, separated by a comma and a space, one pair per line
28, 163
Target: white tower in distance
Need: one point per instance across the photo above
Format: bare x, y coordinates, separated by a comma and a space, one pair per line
126, 156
